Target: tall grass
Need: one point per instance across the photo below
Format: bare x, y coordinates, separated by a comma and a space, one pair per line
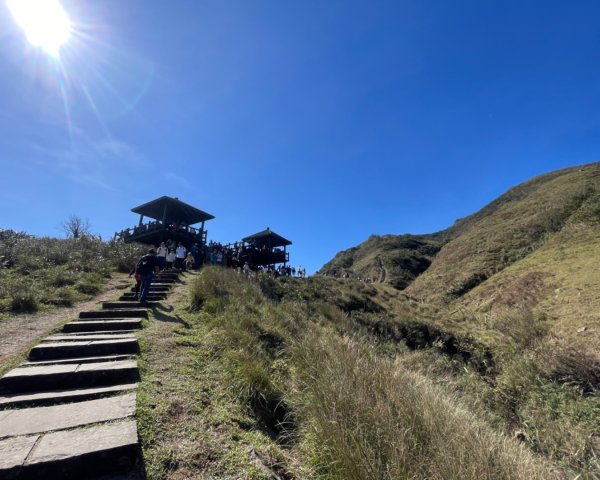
346, 411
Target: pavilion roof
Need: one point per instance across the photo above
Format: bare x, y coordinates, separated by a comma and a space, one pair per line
267, 237
176, 211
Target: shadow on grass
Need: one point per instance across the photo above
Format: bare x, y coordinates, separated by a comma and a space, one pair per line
162, 315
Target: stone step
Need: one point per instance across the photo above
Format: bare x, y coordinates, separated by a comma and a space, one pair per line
97, 319
104, 333
89, 336
60, 396
102, 325
68, 375
163, 280
132, 297
104, 358
71, 454
171, 275
128, 305
28, 421
149, 298
156, 288
121, 312
84, 348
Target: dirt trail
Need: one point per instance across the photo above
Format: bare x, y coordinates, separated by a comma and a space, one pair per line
18, 332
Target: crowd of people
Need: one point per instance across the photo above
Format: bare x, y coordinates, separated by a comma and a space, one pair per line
172, 254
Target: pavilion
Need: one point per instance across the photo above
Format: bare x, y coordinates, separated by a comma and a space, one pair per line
170, 219
265, 248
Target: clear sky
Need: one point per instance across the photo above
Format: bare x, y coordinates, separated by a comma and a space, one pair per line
327, 120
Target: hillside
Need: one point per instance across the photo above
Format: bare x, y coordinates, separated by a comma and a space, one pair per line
533, 249
447, 264
393, 259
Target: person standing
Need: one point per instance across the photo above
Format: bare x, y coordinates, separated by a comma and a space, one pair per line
161, 256
179, 256
189, 261
170, 259
146, 268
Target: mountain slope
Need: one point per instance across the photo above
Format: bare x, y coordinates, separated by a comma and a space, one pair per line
510, 229
444, 266
393, 259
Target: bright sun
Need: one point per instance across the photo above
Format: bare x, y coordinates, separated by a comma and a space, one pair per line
45, 23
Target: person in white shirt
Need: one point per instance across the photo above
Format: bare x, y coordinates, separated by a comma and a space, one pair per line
180, 256
170, 258
161, 255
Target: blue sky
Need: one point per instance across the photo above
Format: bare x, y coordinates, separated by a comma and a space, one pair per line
327, 121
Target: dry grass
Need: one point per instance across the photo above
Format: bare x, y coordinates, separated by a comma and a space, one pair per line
377, 420
281, 386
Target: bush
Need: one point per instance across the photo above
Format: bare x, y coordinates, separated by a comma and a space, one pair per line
62, 297
23, 300
90, 285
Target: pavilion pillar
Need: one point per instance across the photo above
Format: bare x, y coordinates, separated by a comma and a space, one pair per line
141, 220
164, 217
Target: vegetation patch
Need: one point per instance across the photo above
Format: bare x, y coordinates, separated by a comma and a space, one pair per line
286, 385
37, 272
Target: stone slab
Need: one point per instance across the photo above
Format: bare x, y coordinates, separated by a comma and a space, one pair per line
56, 396
28, 421
13, 452
131, 304
86, 348
120, 312
90, 337
102, 325
84, 453
23, 380
42, 370
103, 358
94, 367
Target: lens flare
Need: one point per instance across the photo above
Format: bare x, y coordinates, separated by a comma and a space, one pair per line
45, 23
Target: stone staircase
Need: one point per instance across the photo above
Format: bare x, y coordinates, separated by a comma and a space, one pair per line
68, 411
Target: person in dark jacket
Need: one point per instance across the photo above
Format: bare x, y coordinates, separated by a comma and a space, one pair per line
146, 268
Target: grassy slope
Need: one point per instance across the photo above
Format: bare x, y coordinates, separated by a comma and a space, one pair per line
530, 251
513, 291
393, 259
505, 232
281, 377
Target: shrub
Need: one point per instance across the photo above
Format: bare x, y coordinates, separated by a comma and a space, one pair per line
90, 285
22, 299
62, 297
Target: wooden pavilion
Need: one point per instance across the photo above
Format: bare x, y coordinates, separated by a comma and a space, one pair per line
267, 248
170, 218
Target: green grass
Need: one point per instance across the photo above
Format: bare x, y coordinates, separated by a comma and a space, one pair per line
50, 272
278, 375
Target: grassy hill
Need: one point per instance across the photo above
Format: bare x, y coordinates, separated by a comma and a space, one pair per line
512, 290
533, 251
331, 378
393, 259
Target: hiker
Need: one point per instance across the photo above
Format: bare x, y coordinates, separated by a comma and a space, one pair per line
146, 267
170, 258
161, 256
189, 261
138, 281
179, 255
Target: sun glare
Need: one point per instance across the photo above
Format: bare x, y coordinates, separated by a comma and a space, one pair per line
45, 23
